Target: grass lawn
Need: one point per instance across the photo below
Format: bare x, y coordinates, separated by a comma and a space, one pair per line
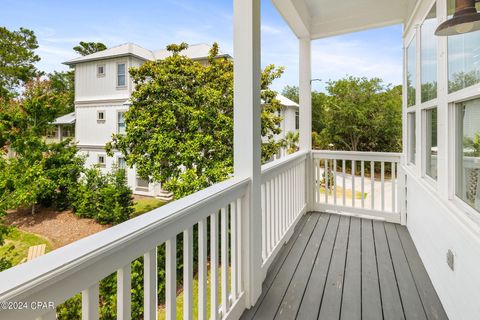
161, 309
145, 204
348, 193
17, 243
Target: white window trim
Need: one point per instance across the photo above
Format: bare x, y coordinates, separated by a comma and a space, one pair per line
119, 87
117, 161
104, 116
101, 75
104, 164
411, 156
116, 119
433, 182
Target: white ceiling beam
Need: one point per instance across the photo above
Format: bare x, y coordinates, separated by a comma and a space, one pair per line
296, 14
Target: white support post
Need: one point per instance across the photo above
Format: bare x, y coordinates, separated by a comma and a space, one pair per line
90, 302
305, 97
247, 136
124, 288
442, 122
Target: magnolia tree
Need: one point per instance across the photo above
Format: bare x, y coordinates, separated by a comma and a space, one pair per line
180, 125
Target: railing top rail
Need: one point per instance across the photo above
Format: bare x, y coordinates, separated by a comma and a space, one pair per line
64, 261
271, 168
357, 155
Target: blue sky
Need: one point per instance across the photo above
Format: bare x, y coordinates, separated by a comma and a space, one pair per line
60, 25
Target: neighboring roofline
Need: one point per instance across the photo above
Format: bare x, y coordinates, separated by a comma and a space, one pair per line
73, 62
113, 56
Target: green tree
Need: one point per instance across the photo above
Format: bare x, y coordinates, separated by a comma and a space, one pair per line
362, 115
291, 141
17, 60
63, 84
86, 48
180, 125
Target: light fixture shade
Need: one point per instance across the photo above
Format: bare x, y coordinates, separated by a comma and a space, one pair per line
466, 19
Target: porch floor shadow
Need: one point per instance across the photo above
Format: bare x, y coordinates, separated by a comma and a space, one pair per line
339, 267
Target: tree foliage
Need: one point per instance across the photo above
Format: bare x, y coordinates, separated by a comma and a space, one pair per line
180, 125
17, 60
363, 115
86, 48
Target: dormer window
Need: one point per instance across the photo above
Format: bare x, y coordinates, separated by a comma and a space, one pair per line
121, 75
100, 70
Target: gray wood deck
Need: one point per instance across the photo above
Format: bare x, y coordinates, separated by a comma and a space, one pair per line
338, 267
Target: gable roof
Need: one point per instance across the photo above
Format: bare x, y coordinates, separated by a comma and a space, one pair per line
284, 101
196, 51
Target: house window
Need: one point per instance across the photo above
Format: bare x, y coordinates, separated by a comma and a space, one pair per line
429, 57
411, 128
121, 122
297, 120
121, 74
431, 145
122, 164
100, 70
463, 57
101, 116
411, 72
467, 151
101, 160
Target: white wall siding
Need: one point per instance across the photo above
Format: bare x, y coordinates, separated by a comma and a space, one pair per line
435, 229
89, 86
89, 130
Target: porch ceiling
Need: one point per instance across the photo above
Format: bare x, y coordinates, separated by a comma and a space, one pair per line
317, 19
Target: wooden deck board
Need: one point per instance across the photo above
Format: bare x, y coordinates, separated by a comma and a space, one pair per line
293, 297
352, 291
276, 292
337, 267
313, 295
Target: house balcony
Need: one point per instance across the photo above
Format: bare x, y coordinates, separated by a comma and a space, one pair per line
354, 258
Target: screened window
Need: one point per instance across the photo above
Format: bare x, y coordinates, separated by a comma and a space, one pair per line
463, 57
412, 144
121, 122
297, 120
468, 152
411, 73
121, 74
431, 144
429, 57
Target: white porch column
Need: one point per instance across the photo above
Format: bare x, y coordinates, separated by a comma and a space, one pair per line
305, 94
247, 135
305, 97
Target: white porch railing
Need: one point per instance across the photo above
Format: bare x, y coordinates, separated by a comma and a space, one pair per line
357, 183
80, 266
283, 202
351, 182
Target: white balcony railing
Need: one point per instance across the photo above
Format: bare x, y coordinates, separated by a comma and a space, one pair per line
357, 182
352, 182
79, 267
284, 201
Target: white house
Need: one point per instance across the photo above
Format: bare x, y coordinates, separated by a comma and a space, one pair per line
102, 92
416, 258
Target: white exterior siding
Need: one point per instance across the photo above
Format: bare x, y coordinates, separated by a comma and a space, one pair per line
89, 86
436, 226
92, 132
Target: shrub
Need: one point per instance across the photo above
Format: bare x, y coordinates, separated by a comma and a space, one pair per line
104, 197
